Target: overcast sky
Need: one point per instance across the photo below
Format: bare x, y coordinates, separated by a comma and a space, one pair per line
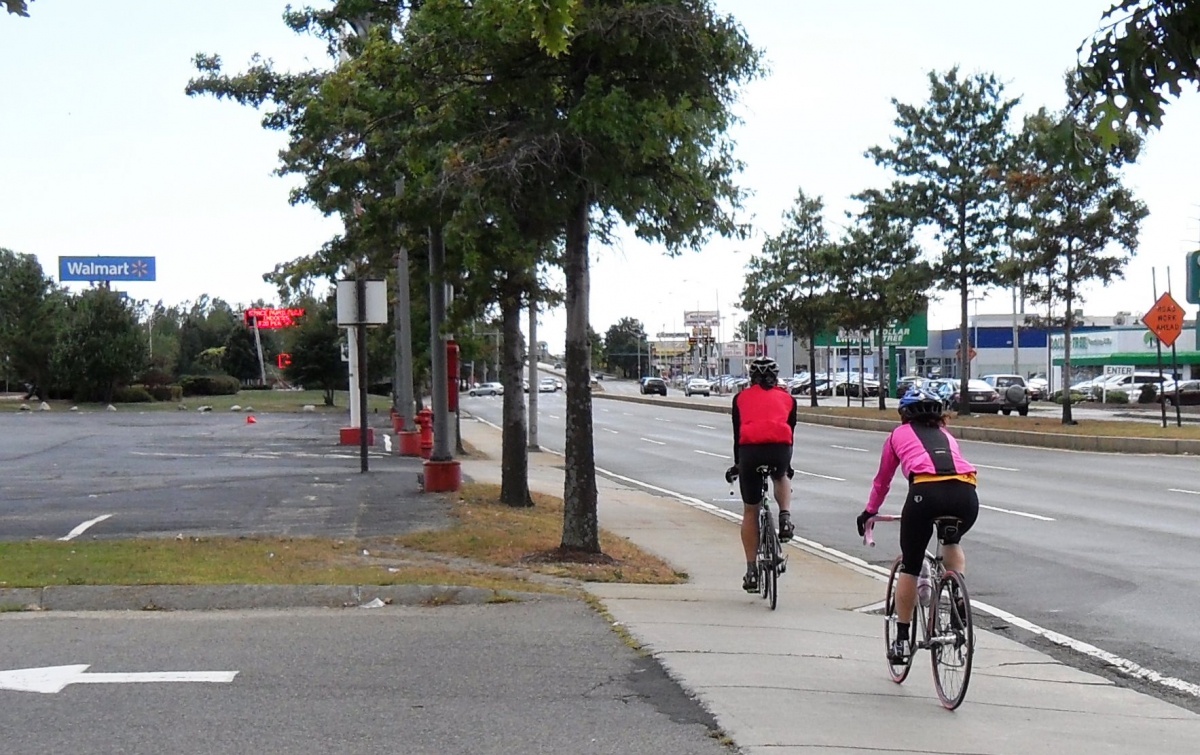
101, 153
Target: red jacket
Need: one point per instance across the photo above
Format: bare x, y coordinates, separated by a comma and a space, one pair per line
762, 416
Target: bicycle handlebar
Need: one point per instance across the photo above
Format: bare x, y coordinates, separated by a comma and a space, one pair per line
868, 529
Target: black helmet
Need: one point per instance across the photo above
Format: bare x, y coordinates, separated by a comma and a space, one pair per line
764, 372
920, 403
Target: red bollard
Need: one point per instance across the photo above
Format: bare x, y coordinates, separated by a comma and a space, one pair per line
425, 421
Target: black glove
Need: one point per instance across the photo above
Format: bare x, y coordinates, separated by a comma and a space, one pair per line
862, 522
731, 474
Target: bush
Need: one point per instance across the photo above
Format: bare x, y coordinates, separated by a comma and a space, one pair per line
1149, 393
1076, 397
1117, 397
209, 385
132, 394
257, 387
153, 377
165, 392
380, 389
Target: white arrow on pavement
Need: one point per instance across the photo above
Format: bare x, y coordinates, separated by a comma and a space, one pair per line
52, 679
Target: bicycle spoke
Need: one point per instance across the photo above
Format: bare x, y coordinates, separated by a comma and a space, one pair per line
951, 640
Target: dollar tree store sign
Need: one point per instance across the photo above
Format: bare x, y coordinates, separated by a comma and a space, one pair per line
912, 333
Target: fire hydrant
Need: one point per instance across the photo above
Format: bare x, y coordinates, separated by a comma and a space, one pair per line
424, 419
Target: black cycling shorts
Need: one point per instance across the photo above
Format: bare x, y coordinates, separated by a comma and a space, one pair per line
926, 501
778, 456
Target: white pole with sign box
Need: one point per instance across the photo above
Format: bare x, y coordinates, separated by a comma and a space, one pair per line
360, 303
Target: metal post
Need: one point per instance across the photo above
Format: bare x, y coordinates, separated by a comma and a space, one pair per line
360, 335
355, 398
1158, 344
437, 316
262, 366
1016, 337
1174, 371
404, 332
533, 376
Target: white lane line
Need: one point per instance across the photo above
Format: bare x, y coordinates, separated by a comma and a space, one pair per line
851, 448
1002, 469
707, 453
553, 416
854, 563
387, 443
707, 427
606, 411
614, 432
660, 419
1038, 517
1181, 490
84, 527
627, 414
655, 442
822, 476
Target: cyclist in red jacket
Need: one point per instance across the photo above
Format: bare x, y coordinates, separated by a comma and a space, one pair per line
764, 422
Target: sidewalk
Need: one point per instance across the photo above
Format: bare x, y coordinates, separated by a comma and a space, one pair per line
810, 677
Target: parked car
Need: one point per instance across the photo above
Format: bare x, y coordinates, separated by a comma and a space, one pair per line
697, 386
1014, 396
1039, 388
982, 397
907, 382
1189, 393
487, 389
653, 385
1131, 385
547, 385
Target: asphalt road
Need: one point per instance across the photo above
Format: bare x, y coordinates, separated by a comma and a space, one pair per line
167, 473
1099, 547
527, 678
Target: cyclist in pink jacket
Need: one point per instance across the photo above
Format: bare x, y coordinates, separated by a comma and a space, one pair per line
941, 483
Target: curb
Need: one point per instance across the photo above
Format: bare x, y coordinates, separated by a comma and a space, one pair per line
242, 597
1097, 443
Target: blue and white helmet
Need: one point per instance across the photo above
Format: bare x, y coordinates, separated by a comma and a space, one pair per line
920, 403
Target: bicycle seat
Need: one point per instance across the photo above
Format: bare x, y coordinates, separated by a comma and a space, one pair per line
947, 526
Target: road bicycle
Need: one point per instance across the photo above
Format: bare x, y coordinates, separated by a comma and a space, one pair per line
769, 558
943, 613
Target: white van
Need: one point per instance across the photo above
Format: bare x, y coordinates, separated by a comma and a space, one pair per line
1131, 385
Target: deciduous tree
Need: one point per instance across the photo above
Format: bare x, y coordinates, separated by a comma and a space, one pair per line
101, 345
31, 310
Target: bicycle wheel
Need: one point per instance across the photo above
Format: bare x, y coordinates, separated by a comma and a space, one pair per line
766, 572
898, 672
774, 558
951, 640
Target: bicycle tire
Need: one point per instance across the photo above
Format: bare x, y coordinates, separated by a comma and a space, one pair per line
897, 672
952, 643
775, 557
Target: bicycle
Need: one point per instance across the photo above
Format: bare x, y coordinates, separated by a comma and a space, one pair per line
769, 558
944, 613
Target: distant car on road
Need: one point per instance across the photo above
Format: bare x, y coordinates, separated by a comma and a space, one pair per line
697, 386
1189, 393
653, 385
487, 389
547, 385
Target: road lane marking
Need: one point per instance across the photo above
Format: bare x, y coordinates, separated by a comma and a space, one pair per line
627, 414
708, 453
655, 442
854, 563
1002, 469
707, 427
851, 448
53, 679
614, 432
660, 419
1038, 517
822, 476
1181, 490
387, 443
553, 416
84, 527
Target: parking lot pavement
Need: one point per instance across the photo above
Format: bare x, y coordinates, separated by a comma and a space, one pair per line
159, 473
546, 676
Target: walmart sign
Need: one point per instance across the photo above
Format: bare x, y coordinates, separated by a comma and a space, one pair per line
105, 269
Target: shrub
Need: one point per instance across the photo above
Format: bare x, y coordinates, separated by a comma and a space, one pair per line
1149, 393
1117, 397
165, 392
380, 389
209, 385
153, 378
1076, 397
257, 387
132, 394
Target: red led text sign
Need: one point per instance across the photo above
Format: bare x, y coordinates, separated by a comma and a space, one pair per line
273, 318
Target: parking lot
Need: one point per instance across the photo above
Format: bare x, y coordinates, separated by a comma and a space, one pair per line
85, 475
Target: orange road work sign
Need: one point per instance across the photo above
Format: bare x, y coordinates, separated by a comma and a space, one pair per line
1165, 319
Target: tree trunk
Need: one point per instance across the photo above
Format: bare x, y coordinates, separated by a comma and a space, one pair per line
581, 530
964, 351
1068, 321
329, 395
812, 368
514, 468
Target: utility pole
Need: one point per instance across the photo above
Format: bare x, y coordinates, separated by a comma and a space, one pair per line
437, 316
404, 358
